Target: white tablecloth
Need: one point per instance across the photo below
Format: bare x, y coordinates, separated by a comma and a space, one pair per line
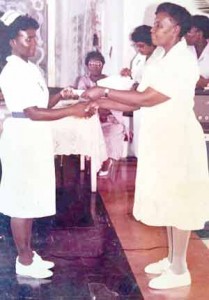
76, 136
81, 136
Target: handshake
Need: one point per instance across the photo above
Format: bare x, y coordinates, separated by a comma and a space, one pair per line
87, 105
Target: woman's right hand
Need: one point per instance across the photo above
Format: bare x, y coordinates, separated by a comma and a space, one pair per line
93, 93
79, 110
125, 72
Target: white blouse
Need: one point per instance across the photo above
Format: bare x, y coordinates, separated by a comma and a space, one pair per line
29, 87
203, 60
137, 67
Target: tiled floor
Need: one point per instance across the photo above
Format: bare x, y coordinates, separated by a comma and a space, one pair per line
144, 244
204, 235
80, 239
99, 249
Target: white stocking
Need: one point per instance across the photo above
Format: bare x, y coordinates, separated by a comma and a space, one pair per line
178, 245
170, 243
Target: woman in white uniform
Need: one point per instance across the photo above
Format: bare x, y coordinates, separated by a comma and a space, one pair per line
141, 38
172, 183
142, 42
27, 187
197, 39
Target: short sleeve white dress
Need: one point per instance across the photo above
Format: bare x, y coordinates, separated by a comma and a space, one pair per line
172, 183
27, 188
203, 60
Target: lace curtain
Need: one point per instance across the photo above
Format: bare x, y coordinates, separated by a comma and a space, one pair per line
72, 35
76, 23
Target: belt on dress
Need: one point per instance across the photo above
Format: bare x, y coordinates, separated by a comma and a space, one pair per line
18, 114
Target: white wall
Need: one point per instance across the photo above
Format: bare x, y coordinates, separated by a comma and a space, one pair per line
112, 35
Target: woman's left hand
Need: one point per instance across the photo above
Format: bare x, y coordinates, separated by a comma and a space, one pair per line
93, 93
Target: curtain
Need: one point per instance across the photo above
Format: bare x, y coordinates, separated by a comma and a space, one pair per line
76, 23
72, 36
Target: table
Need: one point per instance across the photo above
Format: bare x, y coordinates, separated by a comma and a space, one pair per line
76, 136
81, 136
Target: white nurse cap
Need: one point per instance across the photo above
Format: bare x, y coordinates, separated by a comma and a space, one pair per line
9, 17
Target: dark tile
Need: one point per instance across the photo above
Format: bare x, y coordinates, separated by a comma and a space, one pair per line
204, 233
80, 239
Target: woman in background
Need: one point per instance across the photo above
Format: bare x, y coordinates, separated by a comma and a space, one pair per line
111, 120
197, 39
142, 42
94, 63
27, 189
172, 182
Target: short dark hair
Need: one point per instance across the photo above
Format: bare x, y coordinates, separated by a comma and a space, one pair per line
201, 23
94, 55
142, 34
21, 23
178, 13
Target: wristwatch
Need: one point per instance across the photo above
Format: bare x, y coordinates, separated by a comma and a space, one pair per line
106, 92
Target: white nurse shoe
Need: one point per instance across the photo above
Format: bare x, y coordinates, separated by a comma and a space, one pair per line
43, 263
33, 270
169, 280
158, 267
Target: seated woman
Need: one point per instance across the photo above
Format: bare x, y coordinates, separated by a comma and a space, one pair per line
197, 40
111, 121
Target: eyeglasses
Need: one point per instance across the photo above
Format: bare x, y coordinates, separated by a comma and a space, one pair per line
95, 64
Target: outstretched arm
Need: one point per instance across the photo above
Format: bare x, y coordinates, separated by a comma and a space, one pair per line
132, 98
66, 93
108, 104
47, 114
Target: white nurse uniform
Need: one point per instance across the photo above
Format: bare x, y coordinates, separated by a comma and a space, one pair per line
27, 188
172, 183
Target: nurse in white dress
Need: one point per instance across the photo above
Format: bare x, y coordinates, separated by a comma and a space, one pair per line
27, 188
197, 39
141, 38
172, 182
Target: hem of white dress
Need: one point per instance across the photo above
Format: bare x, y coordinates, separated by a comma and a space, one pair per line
11, 215
191, 227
